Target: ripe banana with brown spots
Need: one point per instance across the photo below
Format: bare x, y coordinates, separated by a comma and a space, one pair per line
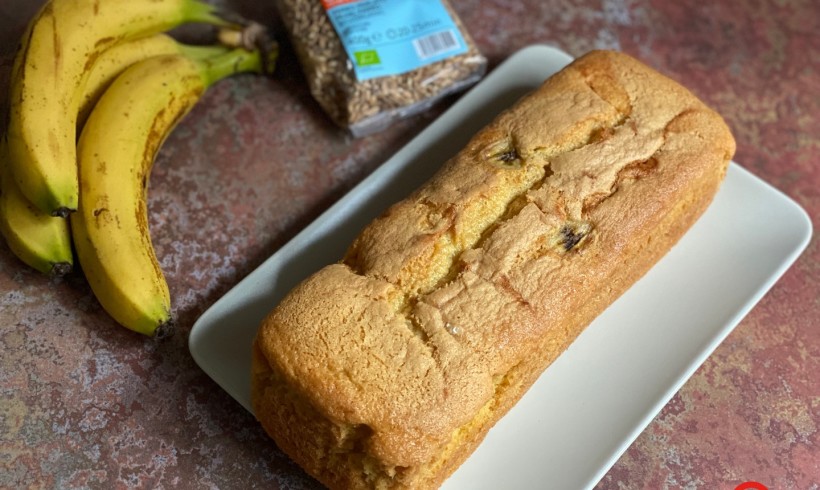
43, 241
116, 152
116, 59
38, 239
48, 77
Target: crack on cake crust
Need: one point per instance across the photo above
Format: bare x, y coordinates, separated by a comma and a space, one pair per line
599, 79
636, 170
353, 438
415, 326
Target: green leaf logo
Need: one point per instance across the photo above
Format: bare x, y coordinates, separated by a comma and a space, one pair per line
367, 58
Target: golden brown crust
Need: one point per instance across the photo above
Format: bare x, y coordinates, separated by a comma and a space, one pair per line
386, 371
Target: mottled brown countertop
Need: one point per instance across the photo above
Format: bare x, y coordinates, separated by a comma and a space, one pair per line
85, 403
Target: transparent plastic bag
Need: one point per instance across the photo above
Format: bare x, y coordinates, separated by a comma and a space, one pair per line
368, 106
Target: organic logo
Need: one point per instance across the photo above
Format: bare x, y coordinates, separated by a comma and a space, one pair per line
367, 58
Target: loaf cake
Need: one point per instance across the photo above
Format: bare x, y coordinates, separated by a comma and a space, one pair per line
387, 369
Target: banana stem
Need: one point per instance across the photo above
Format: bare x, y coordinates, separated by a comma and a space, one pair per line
236, 61
198, 11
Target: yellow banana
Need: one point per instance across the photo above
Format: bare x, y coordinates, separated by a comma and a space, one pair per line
38, 239
117, 58
116, 152
48, 77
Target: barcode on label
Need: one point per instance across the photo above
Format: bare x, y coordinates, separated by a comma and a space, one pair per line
436, 43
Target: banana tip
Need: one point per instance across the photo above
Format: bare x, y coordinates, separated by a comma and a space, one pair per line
61, 269
62, 212
165, 329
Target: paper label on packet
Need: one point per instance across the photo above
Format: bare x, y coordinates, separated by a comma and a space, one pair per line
391, 37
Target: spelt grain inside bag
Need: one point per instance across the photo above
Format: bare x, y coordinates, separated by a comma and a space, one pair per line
370, 63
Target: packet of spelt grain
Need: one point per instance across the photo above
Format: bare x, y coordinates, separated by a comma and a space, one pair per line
370, 63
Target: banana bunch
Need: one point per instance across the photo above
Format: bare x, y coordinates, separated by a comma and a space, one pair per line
105, 70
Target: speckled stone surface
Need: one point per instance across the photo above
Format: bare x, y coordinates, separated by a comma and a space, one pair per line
87, 404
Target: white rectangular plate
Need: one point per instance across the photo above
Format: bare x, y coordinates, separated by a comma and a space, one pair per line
587, 408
